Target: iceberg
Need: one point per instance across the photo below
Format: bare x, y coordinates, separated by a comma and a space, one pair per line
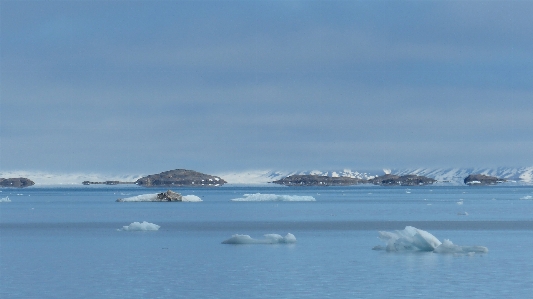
5, 199
526, 197
141, 226
269, 239
414, 239
168, 196
273, 197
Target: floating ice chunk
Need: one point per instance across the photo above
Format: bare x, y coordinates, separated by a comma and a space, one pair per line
448, 247
138, 226
5, 199
527, 197
411, 238
273, 197
138, 198
269, 239
191, 198
414, 239
462, 213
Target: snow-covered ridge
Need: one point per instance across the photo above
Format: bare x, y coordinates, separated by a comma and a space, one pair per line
522, 175
266, 176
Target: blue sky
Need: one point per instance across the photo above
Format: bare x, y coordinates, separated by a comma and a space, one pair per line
147, 86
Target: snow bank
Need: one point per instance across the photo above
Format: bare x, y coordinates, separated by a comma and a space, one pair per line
5, 199
138, 226
273, 197
414, 239
269, 239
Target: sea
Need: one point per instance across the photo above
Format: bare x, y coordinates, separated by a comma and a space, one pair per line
267, 242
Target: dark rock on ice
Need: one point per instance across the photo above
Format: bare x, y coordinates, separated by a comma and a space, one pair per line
180, 178
165, 196
481, 179
16, 182
169, 196
317, 180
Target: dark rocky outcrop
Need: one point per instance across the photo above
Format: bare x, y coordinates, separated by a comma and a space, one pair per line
404, 180
180, 178
482, 180
169, 196
16, 182
317, 180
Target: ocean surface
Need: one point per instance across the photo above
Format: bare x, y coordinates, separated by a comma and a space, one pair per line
77, 242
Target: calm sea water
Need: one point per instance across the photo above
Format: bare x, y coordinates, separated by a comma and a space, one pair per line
67, 243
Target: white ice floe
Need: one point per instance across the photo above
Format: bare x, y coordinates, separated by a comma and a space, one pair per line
527, 197
448, 247
142, 197
141, 226
153, 197
191, 198
269, 239
273, 197
462, 213
414, 239
5, 199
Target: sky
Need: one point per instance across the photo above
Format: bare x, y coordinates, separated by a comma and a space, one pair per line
148, 86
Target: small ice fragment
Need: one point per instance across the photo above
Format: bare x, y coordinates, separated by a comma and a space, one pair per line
269, 239
144, 226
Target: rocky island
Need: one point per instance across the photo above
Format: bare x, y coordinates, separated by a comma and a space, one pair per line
482, 180
16, 182
384, 180
404, 180
180, 178
317, 180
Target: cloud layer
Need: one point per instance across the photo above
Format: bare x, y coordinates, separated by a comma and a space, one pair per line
148, 86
